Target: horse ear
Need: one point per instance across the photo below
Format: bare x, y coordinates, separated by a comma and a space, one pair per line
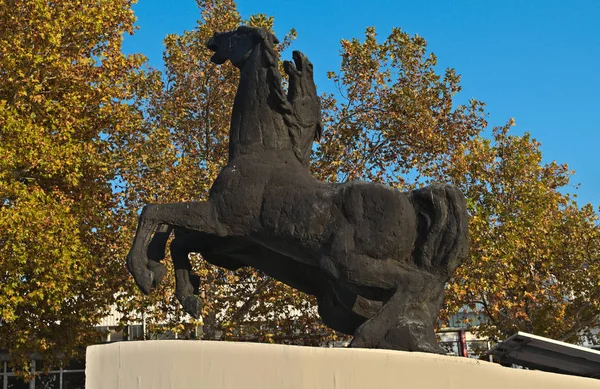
273, 38
265, 34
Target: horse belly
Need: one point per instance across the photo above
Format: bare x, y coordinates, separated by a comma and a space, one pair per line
297, 219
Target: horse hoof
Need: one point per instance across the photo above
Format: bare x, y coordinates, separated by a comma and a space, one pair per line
357, 343
193, 306
361, 342
433, 349
159, 271
363, 338
144, 279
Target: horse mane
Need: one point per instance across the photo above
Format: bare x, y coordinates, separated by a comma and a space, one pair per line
278, 98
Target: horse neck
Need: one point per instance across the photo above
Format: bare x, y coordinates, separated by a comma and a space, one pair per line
256, 125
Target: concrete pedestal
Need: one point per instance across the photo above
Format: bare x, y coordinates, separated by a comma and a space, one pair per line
178, 364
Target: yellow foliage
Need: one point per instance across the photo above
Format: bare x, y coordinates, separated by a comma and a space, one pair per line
61, 91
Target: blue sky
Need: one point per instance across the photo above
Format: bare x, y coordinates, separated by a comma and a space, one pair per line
537, 61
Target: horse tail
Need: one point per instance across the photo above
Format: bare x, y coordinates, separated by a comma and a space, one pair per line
442, 228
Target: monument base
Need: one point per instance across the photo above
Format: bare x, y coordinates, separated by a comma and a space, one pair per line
216, 365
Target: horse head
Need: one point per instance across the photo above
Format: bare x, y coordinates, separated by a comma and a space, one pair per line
237, 45
251, 49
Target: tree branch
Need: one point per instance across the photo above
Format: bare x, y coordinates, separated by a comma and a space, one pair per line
249, 302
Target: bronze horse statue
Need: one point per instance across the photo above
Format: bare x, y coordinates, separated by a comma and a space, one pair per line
376, 259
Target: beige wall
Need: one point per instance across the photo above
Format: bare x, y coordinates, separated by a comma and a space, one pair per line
173, 364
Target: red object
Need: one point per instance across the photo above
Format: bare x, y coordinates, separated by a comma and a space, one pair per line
462, 341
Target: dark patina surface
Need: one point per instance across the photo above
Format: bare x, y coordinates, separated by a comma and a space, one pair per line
377, 259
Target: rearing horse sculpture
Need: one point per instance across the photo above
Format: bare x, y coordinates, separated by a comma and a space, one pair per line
377, 259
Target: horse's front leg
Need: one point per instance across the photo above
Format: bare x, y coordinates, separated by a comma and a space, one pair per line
158, 243
146, 272
142, 260
156, 252
187, 283
216, 250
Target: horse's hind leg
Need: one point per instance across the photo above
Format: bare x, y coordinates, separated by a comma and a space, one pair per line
336, 316
344, 310
406, 321
198, 216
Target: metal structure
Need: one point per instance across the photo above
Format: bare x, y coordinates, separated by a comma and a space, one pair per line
539, 353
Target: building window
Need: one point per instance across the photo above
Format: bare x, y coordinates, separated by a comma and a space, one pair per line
10, 381
16, 383
71, 376
48, 381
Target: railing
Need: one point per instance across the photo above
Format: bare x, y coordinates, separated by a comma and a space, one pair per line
69, 377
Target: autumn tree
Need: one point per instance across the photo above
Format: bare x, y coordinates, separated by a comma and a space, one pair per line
89, 138
394, 119
63, 87
534, 263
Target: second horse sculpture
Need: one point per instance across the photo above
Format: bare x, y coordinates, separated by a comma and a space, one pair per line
377, 259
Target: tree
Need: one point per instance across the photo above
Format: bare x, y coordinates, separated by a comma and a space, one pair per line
396, 122
88, 137
534, 261
63, 87
533, 264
